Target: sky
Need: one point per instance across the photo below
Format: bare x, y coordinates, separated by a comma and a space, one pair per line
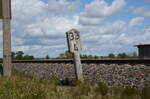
106, 26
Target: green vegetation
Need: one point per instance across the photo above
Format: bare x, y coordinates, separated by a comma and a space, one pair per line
67, 55
20, 56
47, 57
20, 86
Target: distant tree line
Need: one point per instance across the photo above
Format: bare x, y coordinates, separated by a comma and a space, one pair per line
68, 55
123, 55
111, 56
21, 56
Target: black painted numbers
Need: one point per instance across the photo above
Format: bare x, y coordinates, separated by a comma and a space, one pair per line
74, 36
73, 39
77, 37
71, 36
76, 47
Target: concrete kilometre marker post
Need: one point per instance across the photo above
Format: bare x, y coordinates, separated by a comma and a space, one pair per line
74, 46
6, 16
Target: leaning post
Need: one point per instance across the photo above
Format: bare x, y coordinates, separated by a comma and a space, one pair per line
74, 46
6, 16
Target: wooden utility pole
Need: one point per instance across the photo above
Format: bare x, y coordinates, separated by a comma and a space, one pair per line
74, 46
6, 12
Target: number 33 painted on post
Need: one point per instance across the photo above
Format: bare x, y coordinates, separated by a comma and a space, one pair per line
73, 38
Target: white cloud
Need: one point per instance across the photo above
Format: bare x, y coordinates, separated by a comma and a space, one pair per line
90, 21
40, 24
144, 11
145, 38
62, 7
99, 8
95, 12
113, 37
136, 21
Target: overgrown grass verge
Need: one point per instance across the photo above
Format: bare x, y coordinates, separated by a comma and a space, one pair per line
20, 86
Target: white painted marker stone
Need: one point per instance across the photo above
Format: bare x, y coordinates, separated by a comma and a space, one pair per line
74, 46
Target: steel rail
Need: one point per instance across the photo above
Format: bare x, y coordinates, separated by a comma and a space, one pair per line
113, 61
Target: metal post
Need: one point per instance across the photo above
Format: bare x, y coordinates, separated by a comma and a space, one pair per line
6, 38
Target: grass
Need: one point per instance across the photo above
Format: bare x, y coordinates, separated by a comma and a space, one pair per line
20, 86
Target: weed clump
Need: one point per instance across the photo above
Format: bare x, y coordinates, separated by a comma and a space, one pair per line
145, 94
130, 93
102, 89
81, 89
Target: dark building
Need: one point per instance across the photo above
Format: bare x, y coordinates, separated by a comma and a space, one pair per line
144, 51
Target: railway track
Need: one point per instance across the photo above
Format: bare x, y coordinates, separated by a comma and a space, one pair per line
119, 61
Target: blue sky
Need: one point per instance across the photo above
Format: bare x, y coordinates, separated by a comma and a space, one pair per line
126, 15
106, 26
